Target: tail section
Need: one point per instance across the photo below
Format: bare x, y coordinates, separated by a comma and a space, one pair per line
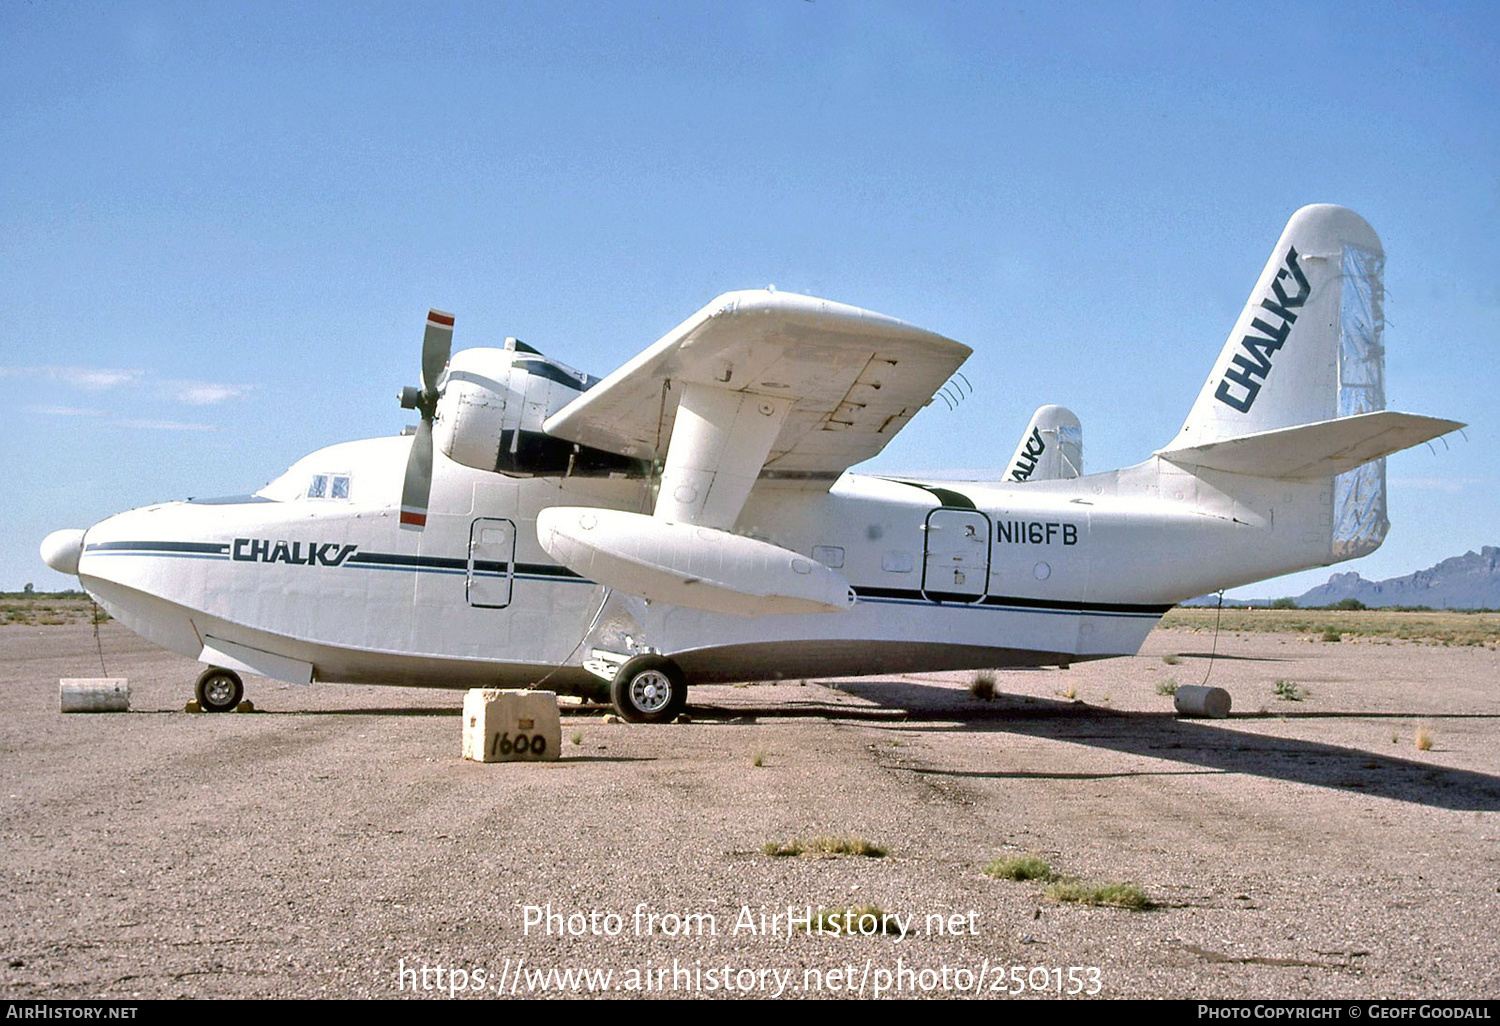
1297, 394
1307, 346
1051, 447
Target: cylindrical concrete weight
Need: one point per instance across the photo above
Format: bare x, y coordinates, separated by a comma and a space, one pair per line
94, 694
1192, 700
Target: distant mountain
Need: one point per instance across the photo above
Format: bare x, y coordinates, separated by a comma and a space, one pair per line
1470, 581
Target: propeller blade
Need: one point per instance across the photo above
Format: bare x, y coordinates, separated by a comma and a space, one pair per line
437, 346
418, 484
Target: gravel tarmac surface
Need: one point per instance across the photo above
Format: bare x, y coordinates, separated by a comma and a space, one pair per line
334, 844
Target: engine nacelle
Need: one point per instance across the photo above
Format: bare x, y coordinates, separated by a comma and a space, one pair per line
490, 414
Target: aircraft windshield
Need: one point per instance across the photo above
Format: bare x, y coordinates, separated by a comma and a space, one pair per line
366, 472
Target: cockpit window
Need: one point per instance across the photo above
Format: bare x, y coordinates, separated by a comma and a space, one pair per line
328, 486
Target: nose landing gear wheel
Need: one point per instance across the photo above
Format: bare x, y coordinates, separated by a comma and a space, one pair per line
219, 690
649, 689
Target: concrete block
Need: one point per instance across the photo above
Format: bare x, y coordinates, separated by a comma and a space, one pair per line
511, 725
94, 694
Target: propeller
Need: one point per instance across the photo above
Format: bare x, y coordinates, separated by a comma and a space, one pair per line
437, 345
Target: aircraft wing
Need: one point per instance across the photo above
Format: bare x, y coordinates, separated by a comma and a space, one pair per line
843, 382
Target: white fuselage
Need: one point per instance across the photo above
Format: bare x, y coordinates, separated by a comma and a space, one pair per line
740, 416
950, 575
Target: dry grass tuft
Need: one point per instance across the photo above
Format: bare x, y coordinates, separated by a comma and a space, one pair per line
1115, 895
1288, 691
983, 685
1425, 737
1019, 867
824, 845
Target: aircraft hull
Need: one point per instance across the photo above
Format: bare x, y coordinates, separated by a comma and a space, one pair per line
963, 576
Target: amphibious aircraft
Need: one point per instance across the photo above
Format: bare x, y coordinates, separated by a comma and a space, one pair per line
692, 517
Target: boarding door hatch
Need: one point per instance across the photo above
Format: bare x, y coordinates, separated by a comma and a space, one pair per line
492, 553
956, 559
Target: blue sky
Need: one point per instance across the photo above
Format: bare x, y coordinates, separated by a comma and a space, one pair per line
221, 225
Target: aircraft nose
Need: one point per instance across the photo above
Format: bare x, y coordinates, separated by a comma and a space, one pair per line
61, 549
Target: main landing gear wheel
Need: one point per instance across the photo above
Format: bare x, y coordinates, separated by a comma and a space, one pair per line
219, 690
649, 689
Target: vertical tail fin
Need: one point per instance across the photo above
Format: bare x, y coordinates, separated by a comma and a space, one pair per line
1307, 348
1051, 447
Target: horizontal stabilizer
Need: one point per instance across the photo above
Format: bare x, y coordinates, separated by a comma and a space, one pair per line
1322, 449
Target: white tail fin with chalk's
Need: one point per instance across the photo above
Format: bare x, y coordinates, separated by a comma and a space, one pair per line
1051, 448
1298, 391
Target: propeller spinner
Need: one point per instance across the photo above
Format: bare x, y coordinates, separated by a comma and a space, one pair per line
437, 346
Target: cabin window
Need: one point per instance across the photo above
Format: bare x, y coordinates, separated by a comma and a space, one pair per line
829, 555
897, 562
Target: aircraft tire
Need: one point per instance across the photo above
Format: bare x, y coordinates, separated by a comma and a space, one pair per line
219, 690
649, 689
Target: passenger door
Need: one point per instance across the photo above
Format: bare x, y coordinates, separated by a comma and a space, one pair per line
956, 557
492, 551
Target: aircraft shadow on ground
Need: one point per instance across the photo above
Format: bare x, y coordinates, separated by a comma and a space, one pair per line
1202, 743
391, 710
1221, 657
